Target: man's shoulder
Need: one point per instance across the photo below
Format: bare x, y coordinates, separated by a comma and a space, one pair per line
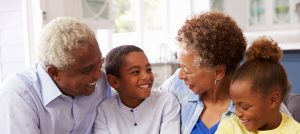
20, 86
19, 82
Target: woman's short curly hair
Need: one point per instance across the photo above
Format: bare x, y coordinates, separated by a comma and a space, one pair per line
215, 38
59, 40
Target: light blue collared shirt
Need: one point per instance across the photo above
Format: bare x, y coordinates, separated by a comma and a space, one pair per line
157, 114
191, 103
31, 103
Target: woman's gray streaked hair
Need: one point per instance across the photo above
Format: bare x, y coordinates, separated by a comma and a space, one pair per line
59, 39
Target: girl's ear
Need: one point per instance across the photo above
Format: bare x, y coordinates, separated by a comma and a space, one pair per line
275, 99
220, 72
113, 81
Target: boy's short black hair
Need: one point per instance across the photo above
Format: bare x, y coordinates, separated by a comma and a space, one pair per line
114, 59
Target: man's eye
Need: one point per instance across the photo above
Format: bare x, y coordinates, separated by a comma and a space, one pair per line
87, 70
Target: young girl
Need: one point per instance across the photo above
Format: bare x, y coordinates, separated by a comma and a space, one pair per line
136, 109
257, 90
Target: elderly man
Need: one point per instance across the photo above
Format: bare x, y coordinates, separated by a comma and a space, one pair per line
61, 92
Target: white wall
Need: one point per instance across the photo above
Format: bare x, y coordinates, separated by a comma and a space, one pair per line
12, 51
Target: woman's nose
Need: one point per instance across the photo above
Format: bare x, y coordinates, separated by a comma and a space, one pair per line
182, 75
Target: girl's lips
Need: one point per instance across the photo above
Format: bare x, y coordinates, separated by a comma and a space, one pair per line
244, 121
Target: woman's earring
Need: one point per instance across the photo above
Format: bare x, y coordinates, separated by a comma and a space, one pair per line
215, 82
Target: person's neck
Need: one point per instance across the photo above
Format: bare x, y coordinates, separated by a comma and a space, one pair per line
218, 94
274, 121
131, 103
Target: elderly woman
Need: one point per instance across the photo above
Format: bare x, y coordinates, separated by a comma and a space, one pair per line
211, 46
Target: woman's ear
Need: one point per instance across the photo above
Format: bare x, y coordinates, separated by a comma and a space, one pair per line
53, 72
220, 72
113, 81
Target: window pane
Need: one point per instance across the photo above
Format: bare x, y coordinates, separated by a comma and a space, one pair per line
257, 12
123, 14
282, 12
153, 14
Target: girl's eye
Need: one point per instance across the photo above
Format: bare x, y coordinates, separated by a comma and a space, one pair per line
245, 107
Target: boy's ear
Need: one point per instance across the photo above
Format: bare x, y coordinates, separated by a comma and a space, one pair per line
53, 72
113, 81
275, 99
220, 72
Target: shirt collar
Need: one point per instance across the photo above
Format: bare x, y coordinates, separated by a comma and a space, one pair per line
231, 107
230, 110
49, 90
192, 96
124, 107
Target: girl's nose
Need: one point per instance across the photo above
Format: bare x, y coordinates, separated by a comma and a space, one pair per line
238, 113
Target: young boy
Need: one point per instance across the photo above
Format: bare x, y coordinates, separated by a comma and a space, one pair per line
257, 90
136, 109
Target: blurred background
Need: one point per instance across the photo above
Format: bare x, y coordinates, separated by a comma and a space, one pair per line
149, 24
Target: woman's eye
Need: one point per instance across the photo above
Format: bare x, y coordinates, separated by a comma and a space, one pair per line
185, 71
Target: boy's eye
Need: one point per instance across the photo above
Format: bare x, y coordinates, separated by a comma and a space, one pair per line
149, 69
135, 72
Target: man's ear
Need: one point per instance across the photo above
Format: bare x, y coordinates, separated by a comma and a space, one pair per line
53, 72
220, 72
275, 99
113, 81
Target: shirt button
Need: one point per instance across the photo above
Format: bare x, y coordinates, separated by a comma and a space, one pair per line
135, 124
131, 110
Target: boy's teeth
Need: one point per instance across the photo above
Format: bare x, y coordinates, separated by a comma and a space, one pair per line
144, 86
